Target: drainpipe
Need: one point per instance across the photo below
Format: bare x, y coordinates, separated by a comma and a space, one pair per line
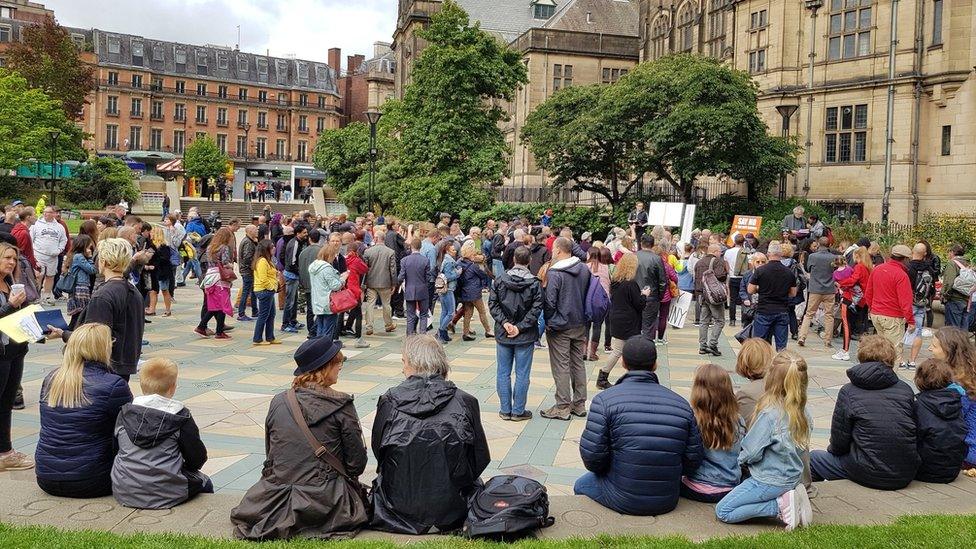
889, 123
919, 50
813, 6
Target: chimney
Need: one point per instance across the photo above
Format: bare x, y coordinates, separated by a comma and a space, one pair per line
354, 63
335, 56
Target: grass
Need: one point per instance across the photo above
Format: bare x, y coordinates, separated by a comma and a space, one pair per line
73, 225
907, 532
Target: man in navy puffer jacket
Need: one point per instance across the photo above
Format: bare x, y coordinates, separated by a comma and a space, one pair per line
640, 439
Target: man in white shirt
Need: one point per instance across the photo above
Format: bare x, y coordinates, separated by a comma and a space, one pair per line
49, 239
737, 261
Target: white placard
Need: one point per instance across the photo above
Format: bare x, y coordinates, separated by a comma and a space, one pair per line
679, 310
688, 223
667, 214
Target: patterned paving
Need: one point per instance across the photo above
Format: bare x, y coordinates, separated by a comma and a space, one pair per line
228, 385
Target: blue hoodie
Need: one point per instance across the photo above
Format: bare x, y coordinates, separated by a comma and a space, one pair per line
195, 225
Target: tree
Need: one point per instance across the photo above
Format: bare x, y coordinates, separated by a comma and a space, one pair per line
343, 154
103, 180
49, 60
27, 118
449, 148
203, 159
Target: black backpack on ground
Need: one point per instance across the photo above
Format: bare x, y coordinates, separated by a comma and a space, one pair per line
507, 507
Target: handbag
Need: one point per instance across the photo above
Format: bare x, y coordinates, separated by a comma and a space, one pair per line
227, 273
325, 455
744, 334
342, 300
68, 281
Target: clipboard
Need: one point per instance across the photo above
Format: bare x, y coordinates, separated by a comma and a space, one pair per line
11, 327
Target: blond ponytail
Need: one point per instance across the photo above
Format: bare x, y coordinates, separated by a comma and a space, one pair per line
90, 342
786, 387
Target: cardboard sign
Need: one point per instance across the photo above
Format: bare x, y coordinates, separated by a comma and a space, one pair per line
744, 224
679, 310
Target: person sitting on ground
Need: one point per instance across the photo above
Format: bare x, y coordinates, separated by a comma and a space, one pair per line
953, 345
722, 429
942, 428
772, 451
873, 437
640, 439
429, 445
754, 359
160, 451
79, 404
301, 492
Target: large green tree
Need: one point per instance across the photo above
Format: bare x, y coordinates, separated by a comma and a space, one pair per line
449, 148
203, 159
27, 118
343, 154
101, 181
49, 60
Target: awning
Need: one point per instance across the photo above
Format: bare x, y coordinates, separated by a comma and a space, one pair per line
171, 166
150, 156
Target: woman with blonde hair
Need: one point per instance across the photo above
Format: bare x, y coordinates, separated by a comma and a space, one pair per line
325, 279
627, 302
626, 247
162, 276
472, 281
754, 359
80, 402
11, 359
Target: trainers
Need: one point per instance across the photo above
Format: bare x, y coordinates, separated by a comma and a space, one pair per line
704, 351
244, 318
902, 365
540, 345
660, 342
910, 365
390, 328
504, 416
19, 400
579, 413
801, 342
369, 331
555, 412
16, 461
361, 344
841, 355
803, 508
201, 333
787, 510
714, 350
222, 335
927, 332
274, 342
260, 343
524, 416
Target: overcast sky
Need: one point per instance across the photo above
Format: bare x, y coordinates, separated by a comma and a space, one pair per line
306, 28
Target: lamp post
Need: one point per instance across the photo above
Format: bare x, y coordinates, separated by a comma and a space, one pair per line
786, 111
373, 116
247, 140
54, 135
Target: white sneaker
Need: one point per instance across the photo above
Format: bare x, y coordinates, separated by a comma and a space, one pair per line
787, 510
927, 332
803, 507
841, 355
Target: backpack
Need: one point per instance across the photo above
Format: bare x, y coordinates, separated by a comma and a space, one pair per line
714, 291
741, 263
965, 283
440, 284
507, 506
923, 288
597, 301
798, 276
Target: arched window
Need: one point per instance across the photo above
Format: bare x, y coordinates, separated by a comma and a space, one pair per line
659, 36
716, 27
686, 27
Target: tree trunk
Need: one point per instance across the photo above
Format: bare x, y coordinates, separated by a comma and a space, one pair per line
752, 193
686, 190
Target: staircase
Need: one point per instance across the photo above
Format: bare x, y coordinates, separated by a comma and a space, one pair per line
238, 208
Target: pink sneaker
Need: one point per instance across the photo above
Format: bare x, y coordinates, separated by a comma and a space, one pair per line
787, 510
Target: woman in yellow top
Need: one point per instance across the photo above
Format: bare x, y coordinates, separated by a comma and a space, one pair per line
265, 288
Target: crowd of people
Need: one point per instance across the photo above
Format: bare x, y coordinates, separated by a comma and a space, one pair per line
533, 286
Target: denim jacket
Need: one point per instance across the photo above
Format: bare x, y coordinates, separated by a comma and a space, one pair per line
769, 451
720, 468
451, 271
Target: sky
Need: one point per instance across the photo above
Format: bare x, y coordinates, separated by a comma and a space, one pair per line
305, 28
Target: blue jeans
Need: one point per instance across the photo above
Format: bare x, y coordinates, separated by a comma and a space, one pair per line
508, 357
447, 309
247, 290
589, 485
325, 325
193, 264
417, 323
290, 316
764, 325
957, 315
497, 267
542, 326
751, 499
264, 327
827, 466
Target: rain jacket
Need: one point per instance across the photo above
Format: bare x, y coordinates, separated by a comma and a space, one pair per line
516, 297
942, 434
431, 449
568, 282
160, 454
325, 280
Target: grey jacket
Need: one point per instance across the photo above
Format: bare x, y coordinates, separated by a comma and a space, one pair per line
382, 264
651, 273
308, 255
820, 264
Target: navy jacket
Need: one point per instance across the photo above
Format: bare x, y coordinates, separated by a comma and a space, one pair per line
79, 443
567, 283
640, 438
415, 276
516, 297
942, 433
471, 281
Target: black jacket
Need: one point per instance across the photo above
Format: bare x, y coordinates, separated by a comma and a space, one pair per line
497, 246
118, 304
567, 283
245, 255
651, 273
430, 450
516, 297
292, 250
626, 307
508, 256
941, 435
540, 255
874, 422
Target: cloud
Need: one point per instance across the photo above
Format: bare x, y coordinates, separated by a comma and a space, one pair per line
305, 28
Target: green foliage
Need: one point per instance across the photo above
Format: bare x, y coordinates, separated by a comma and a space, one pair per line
774, 211
580, 218
27, 116
203, 159
941, 231
102, 181
343, 154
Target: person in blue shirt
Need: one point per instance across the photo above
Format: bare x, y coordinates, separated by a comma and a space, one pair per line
546, 220
451, 270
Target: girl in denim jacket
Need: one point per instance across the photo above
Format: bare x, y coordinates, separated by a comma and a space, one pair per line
772, 451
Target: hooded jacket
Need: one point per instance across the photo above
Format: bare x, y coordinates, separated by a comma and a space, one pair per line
942, 434
357, 272
540, 255
325, 280
22, 235
430, 450
160, 454
299, 494
567, 283
196, 225
874, 422
969, 414
516, 298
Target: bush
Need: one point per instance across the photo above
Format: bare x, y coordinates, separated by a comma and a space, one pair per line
581, 218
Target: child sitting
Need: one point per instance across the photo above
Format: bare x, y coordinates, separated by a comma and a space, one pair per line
160, 451
722, 429
941, 426
753, 359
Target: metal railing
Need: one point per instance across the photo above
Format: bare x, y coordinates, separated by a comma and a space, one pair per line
175, 93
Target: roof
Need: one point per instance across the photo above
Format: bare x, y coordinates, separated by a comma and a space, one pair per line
598, 16
505, 18
171, 166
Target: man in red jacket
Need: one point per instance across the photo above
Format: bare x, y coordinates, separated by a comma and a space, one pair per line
889, 297
21, 233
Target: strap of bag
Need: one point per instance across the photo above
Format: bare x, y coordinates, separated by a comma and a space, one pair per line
321, 451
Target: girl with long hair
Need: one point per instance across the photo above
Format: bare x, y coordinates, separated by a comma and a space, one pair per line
600, 270
448, 266
11, 360
853, 310
325, 280
722, 429
83, 266
772, 450
79, 404
162, 275
265, 288
216, 304
627, 302
953, 346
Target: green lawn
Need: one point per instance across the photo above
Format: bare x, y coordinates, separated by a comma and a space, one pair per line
954, 532
73, 225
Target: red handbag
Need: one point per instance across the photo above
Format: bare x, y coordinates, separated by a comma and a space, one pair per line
342, 300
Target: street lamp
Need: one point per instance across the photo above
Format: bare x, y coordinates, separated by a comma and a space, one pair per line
786, 111
246, 126
54, 135
373, 115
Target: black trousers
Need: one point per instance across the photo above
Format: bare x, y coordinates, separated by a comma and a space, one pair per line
734, 284
649, 318
95, 487
206, 315
396, 303
11, 372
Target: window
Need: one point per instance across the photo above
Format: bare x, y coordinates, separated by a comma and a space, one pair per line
221, 116
4, 33
282, 123
282, 98
716, 27
137, 51
159, 54
302, 151
303, 100
542, 10
242, 94
936, 22
156, 84
179, 141
222, 142
222, 92
7, 13
281, 71
946, 140
303, 72
113, 78
155, 139
201, 114
180, 56
262, 96
610, 76
241, 117
757, 61
303, 123
260, 146
262, 66
562, 76
659, 37
280, 148
179, 112
686, 27
321, 101
242, 64
758, 19
241, 145
136, 109
114, 44
180, 86
111, 136
222, 62
846, 138
320, 124
112, 105
201, 89
135, 138
156, 110
136, 80
201, 62
262, 120
78, 39
849, 29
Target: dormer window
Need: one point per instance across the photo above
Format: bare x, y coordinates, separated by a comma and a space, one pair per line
543, 9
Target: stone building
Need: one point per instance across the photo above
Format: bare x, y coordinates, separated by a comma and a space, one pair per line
380, 74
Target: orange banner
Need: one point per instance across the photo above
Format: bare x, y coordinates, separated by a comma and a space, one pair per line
744, 224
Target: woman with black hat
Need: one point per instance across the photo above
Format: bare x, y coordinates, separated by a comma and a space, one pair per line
315, 453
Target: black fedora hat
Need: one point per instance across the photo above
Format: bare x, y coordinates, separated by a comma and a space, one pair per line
315, 353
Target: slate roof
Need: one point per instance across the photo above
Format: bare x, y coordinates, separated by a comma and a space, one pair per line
606, 17
505, 18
